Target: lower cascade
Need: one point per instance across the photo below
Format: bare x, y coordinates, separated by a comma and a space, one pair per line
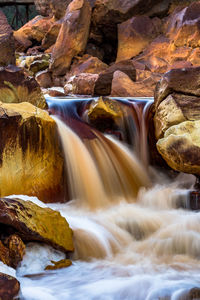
133, 237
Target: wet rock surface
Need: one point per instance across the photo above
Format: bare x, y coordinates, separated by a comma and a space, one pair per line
9, 287
34, 223
31, 159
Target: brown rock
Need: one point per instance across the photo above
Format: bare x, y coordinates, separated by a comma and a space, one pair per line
16, 87
51, 36
82, 84
104, 81
7, 44
9, 287
55, 93
58, 7
116, 11
180, 147
135, 34
95, 51
86, 64
36, 167
123, 86
36, 29
16, 250
185, 81
73, 36
4, 254
12, 251
35, 223
159, 9
44, 79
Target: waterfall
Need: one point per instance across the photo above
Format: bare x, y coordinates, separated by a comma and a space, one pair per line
133, 239
100, 170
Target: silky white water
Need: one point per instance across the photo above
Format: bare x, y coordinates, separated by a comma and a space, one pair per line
137, 248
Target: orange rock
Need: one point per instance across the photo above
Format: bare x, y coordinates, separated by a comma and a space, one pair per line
73, 36
35, 29
135, 34
183, 26
52, 34
7, 45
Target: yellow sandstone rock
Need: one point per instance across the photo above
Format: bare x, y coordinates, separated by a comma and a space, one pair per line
31, 160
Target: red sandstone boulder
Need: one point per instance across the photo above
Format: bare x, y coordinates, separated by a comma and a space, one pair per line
73, 36
36, 29
104, 81
81, 84
9, 287
123, 86
7, 45
51, 36
86, 64
135, 34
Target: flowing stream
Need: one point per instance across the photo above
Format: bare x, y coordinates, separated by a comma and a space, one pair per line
132, 238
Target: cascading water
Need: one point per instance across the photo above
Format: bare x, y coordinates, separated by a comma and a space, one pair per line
131, 240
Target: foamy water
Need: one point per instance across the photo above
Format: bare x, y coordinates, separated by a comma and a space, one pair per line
138, 245
128, 251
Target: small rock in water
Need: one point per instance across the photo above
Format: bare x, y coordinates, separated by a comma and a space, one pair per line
64, 263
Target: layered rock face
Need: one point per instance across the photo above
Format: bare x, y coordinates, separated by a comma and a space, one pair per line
7, 45
177, 119
31, 160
